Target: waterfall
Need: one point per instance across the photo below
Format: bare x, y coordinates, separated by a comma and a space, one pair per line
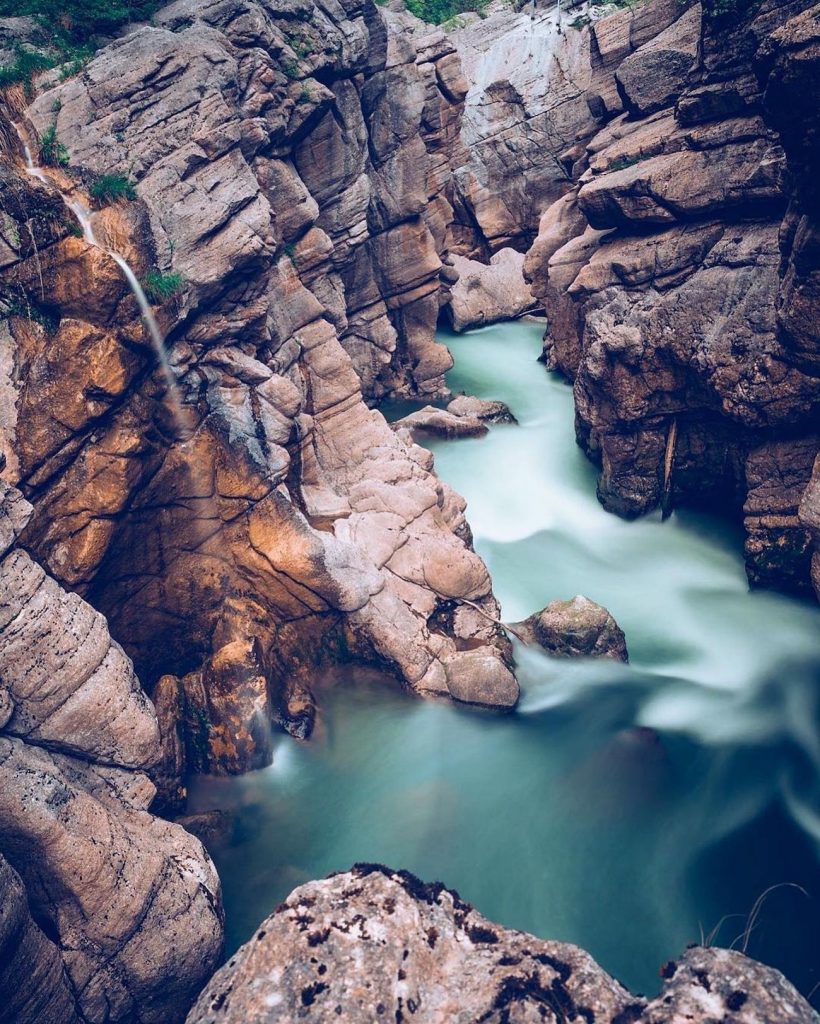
83, 215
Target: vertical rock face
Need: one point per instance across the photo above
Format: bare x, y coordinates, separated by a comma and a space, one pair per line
540, 85
789, 65
291, 164
669, 301
127, 907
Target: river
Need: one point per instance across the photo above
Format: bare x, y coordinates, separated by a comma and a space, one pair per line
628, 809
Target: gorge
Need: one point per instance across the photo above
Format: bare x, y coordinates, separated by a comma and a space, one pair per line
304, 194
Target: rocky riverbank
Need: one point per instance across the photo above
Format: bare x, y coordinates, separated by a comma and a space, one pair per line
300, 186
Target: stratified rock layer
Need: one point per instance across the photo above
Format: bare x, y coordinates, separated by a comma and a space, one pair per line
291, 164
665, 288
372, 944
130, 904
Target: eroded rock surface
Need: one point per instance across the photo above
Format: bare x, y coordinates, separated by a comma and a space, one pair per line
488, 292
128, 912
373, 944
669, 300
291, 164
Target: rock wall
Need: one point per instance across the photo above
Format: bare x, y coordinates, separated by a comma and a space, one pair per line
107, 912
540, 85
290, 166
374, 944
668, 296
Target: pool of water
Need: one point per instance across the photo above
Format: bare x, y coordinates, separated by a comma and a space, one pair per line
629, 809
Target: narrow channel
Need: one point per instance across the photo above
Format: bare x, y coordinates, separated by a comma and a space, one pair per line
659, 798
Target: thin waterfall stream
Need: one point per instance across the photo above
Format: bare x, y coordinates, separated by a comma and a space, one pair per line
627, 808
83, 215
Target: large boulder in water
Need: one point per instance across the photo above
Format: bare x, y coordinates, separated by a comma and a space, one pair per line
579, 628
373, 944
488, 292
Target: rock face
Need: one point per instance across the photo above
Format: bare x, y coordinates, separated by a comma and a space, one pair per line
488, 292
575, 629
789, 64
291, 163
129, 920
669, 301
373, 944
537, 90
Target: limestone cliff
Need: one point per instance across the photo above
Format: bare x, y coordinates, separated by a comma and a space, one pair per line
120, 917
669, 301
290, 167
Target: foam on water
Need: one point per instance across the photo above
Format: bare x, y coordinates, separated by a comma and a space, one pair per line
624, 808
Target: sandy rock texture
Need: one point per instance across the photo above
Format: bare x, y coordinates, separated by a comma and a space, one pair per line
373, 944
127, 907
291, 163
673, 285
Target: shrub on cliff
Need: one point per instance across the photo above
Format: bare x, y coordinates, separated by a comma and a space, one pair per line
79, 21
438, 11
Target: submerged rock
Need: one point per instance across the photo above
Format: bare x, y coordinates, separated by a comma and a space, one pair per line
373, 944
575, 629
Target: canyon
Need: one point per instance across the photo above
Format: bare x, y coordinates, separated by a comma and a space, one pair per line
186, 549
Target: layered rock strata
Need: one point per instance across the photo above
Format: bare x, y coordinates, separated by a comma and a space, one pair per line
290, 167
107, 912
669, 302
373, 944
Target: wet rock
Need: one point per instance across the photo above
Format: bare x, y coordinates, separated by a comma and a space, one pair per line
210, 827
481, 409
575, 629
487, 293
441, 423
372, 944
474, 677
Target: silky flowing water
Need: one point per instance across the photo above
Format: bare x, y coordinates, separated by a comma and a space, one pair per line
628, 809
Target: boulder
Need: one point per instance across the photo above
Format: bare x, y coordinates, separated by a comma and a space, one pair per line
575, 629
487, 293
374, 944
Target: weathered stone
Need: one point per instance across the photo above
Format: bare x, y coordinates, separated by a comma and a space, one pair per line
486, 293
575, 629
373, 943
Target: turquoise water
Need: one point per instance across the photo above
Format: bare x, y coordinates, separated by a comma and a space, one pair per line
625, 808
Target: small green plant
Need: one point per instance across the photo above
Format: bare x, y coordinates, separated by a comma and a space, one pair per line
161, 287
438, 12
623, 162
290, 252
304, 95
26, 64
74, 229
291, 68
52, 152
110, 187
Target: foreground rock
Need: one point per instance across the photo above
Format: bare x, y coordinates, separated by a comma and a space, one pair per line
575, 629
465, 416
372, 944
488, 292
131, 902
